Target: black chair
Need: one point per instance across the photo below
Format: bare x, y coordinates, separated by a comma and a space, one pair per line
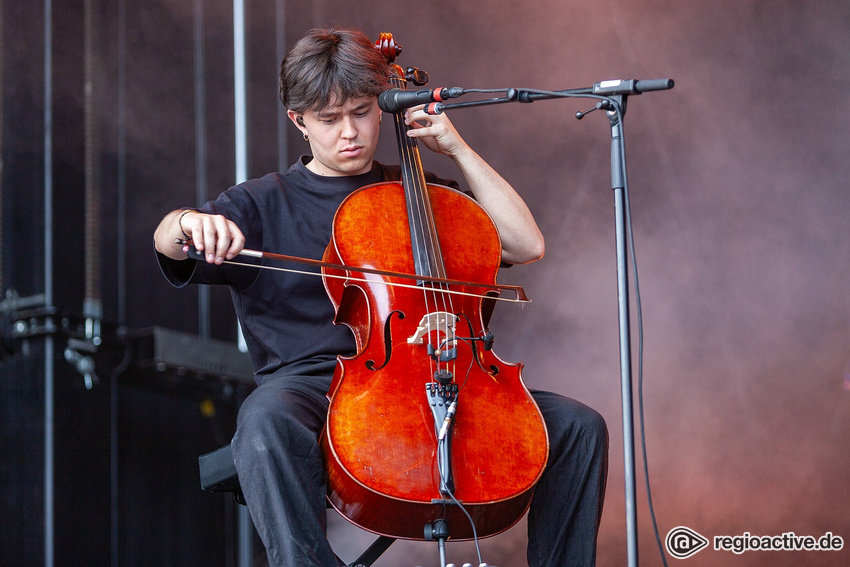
218, 474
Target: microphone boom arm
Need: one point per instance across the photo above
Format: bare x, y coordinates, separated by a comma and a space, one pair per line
602, 89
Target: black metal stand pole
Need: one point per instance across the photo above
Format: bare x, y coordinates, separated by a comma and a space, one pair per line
618, 184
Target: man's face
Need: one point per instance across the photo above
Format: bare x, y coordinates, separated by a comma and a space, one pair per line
343, 138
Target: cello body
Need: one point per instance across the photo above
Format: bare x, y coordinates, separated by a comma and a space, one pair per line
385, 451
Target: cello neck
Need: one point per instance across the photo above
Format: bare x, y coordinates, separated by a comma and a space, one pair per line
427, 258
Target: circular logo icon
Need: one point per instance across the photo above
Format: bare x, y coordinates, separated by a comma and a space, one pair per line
683, 542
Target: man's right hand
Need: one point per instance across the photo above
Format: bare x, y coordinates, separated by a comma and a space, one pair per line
214, 235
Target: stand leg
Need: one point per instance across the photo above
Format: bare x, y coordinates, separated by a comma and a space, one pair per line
438, 530
378, 547
245, 535
441, 545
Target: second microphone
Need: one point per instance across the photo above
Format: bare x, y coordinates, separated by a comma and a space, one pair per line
396, 100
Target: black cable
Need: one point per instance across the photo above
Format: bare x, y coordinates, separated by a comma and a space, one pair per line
459, 505
469, 342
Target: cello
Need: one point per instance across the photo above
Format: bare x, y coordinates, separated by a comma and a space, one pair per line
425, 424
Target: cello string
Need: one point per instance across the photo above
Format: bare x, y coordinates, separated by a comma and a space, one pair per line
424, 244
438, 260
413, 210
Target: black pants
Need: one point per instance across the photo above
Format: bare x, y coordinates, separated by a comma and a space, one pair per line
280, 468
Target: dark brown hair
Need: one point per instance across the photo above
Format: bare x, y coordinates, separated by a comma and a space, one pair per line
330, 66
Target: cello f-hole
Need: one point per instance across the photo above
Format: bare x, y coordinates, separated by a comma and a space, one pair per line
388, 341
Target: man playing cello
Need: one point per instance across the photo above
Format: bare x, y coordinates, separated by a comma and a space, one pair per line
329, 84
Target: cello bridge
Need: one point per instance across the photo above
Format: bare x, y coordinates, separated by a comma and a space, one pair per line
438, 321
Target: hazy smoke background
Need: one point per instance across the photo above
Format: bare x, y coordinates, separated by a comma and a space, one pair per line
739, 193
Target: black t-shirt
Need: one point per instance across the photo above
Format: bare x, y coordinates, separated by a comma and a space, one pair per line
286, 318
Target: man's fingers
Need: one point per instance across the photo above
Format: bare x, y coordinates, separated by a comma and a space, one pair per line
236, 244
220, 238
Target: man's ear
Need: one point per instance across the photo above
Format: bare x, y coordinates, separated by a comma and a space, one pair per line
296, 118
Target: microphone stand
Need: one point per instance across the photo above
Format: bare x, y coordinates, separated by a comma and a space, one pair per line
612, 97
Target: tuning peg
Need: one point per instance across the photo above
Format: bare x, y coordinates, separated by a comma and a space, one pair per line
416, 76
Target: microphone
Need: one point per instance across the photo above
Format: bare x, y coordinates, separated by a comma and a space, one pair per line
434, 108
396, 100
488, 339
